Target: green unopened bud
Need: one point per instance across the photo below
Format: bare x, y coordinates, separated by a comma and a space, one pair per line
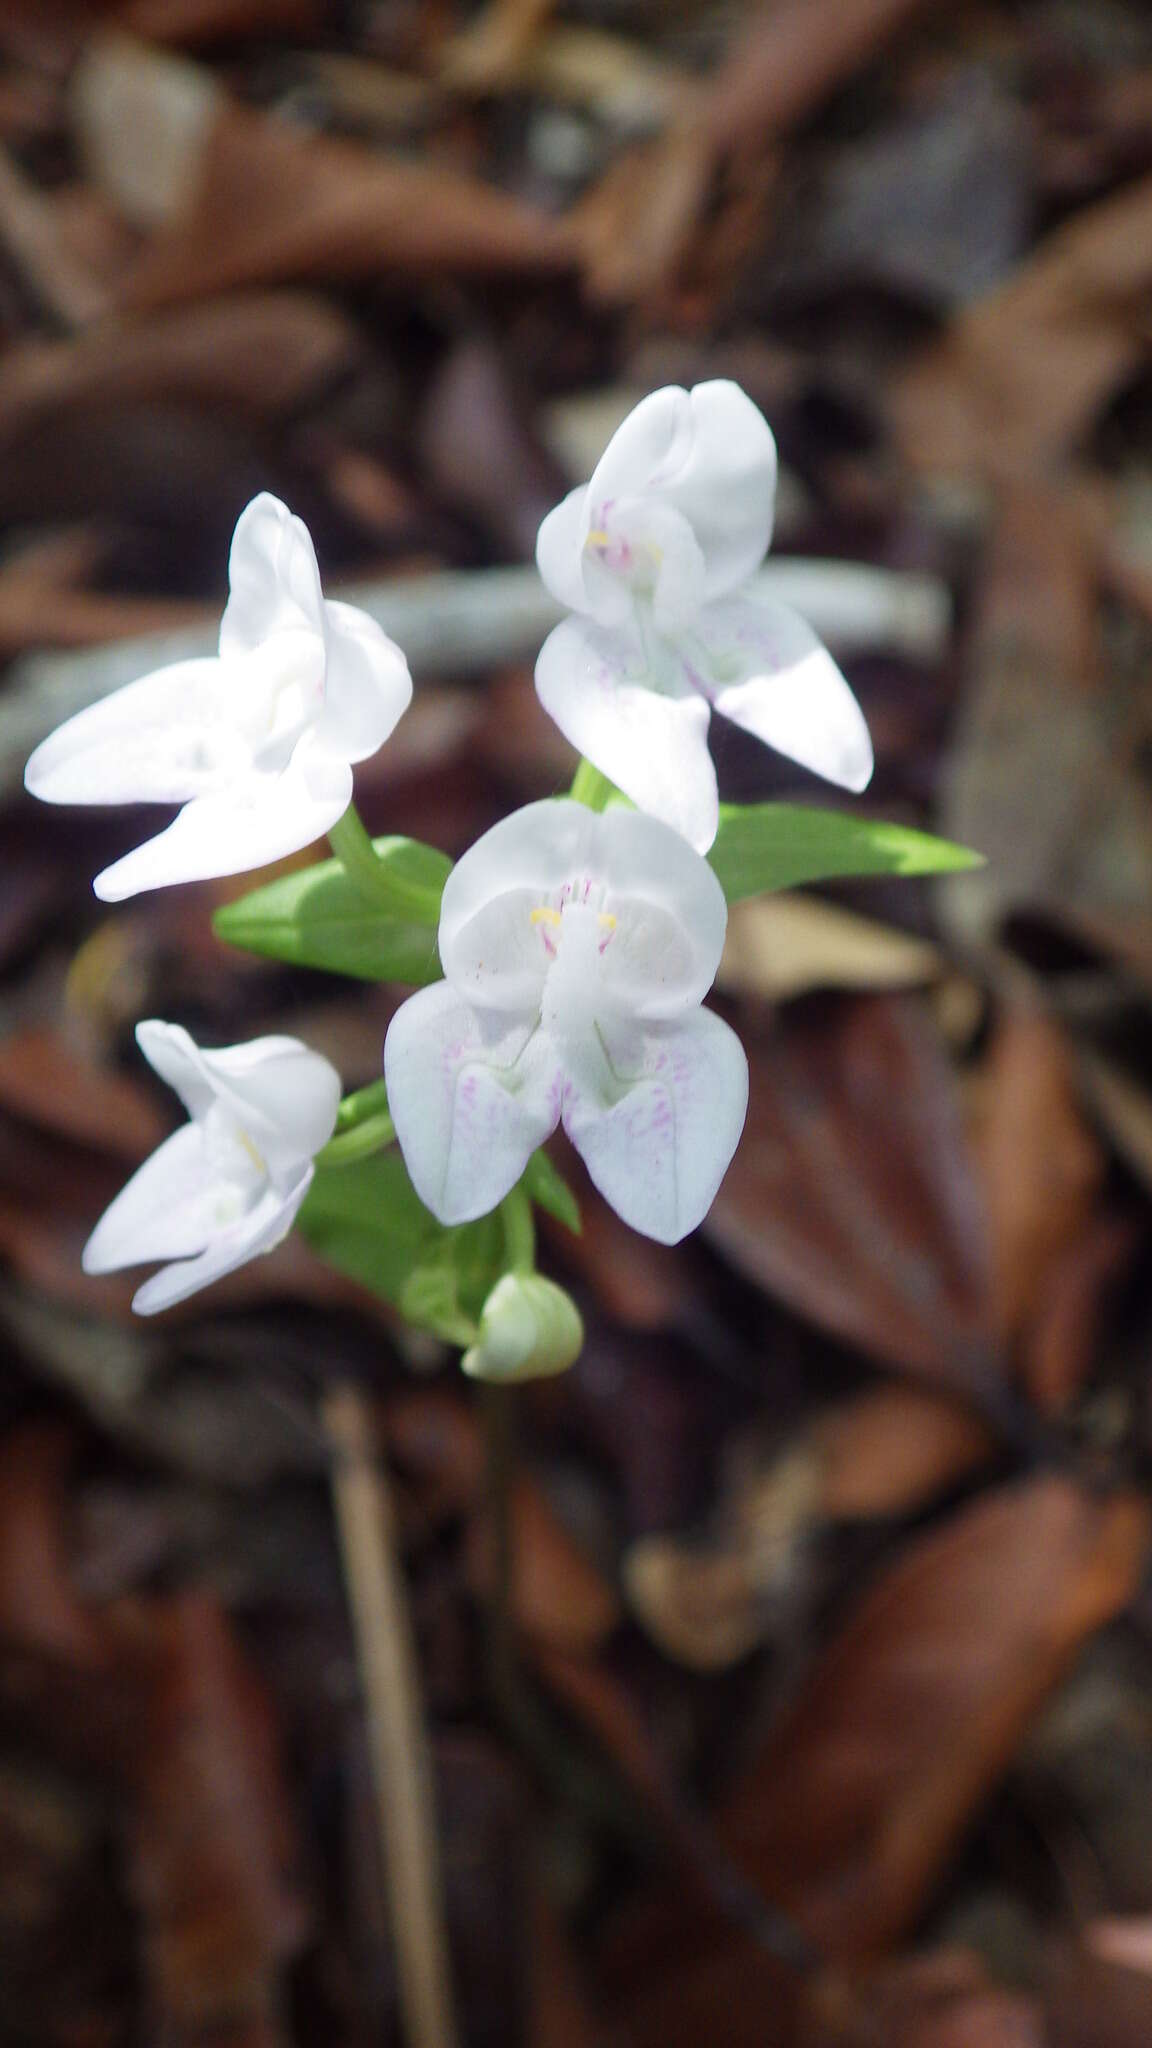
529, 1328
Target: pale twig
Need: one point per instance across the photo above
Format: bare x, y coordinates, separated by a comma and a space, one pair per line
401, 1765
461, 622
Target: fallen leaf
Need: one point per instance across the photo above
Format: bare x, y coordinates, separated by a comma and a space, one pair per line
940, 2000
893, 1449
975, 402
212, 1839
257, 353
782, 946
1042, 1167
46, 1078
267, 204
852, 1195
191, 23
559, 1597
849, 1813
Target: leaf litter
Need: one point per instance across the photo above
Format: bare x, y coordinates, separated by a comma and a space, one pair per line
820, 1716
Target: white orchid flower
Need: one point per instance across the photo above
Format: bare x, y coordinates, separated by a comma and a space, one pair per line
576, 948
228, 1184
256, 742
651, 555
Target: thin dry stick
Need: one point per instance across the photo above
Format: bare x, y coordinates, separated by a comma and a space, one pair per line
401, 1765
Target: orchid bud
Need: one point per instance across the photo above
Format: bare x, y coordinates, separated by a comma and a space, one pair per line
529, 1329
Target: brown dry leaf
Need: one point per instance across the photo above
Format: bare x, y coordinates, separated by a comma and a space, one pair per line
1078, 308
560, 2014
1126, 1942
191, 23
852, 1808
786, 945
259, 353
1062, 1346
47, 1078
700, 1607
1124, 1107
1041, 1165
1094, 2002
267, 204
708, 1606
943, 2000
39, 1610
892, 1450
40, 605
888, 1452
789, 58
71, 279
559, 1597
677, 2000
852, 1195
213, 1843
491, 51
1032, 725
636, 225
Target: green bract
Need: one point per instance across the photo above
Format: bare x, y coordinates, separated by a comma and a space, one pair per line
777, 846
324, 918
366, 1220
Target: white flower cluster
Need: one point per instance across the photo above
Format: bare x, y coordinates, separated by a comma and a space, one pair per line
577, 946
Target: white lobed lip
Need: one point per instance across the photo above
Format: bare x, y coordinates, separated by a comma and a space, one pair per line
603, 1033
257, 742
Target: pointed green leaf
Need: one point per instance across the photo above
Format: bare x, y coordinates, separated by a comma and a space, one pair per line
321, 917
777, 846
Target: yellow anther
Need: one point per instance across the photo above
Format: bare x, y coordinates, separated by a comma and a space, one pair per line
597, 538
545, 915
260, 1164
606, 918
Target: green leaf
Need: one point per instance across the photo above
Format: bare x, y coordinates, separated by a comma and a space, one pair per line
777, 846
367, 1221
320, 917
549, 1188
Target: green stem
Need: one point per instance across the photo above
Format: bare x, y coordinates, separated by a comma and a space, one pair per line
360, 1142
363, 1103
519, 1231
376, 876
591, 788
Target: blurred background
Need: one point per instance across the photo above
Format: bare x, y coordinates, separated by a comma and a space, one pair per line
815, 1710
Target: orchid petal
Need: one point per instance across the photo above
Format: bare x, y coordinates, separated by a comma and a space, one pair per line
710, 455
646, 550
169, 1209
667, 914
165, 738
472, 1095
235, 829
261, 1230
781, 683
659, 1145
174, 1054
284, 1095
490, 948
274, 582
560, 549
652, 745
368, 687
